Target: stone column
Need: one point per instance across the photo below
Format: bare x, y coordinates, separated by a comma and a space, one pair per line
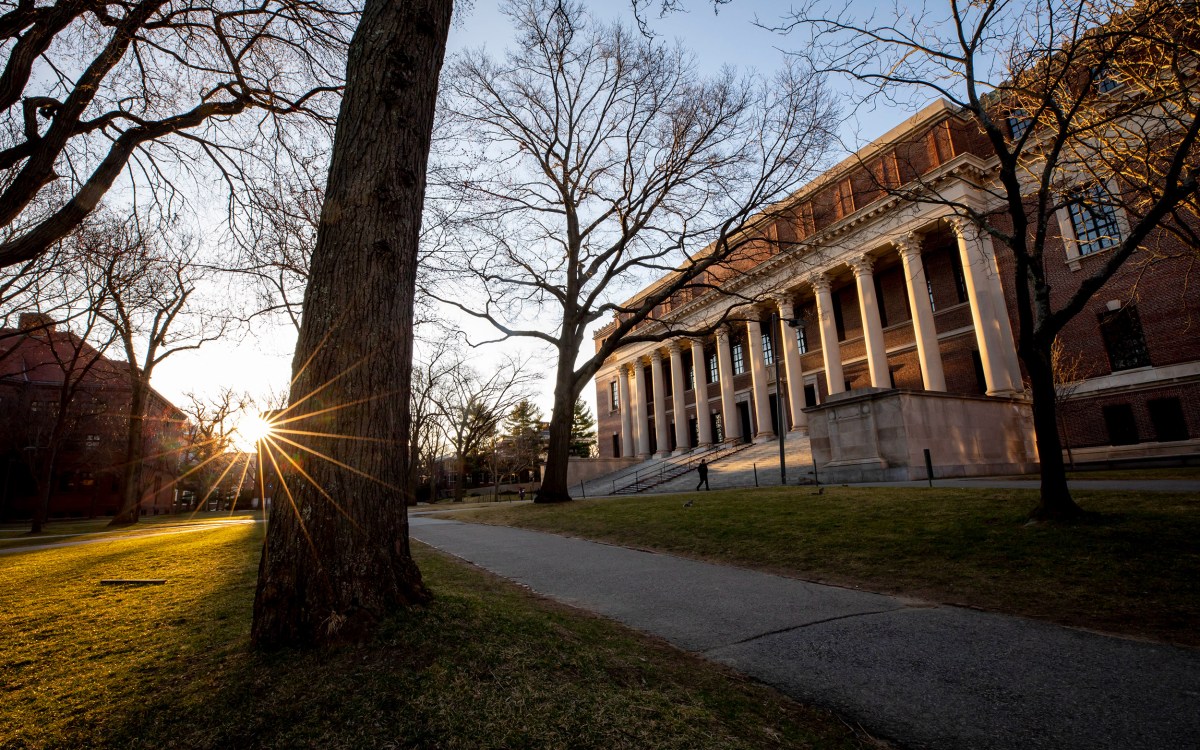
868, 306
679, 408
758, 380
831, 350
662, 436
791, 363
975, 267
639, 410
924, 329
703, 414
729, 417
623, 376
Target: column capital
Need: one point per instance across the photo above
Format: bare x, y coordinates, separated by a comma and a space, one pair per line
862, 265
820, 282
673, 347
722, 332
631, 366
963, 227
656, 355
785, 305
908, 245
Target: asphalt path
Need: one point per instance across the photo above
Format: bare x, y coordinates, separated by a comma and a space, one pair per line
923, 676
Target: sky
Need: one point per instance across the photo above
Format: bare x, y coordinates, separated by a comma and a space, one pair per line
260, 361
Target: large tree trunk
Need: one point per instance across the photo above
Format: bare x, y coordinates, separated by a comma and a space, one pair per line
135, 449
558, 451
334, 565
42, 512
1055, 502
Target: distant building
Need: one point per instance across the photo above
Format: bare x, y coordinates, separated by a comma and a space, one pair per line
35, 360
903, 303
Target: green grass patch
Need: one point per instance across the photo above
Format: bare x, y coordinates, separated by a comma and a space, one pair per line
1134, 570
486, 665
17, 534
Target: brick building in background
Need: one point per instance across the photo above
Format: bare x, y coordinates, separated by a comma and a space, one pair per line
87, 465
892, 294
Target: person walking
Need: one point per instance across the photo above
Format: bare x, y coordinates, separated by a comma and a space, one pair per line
702, 470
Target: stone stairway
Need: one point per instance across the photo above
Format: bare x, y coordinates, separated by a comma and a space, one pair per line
727, 469
740, 470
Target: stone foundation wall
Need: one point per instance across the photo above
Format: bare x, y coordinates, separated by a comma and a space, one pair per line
873, 435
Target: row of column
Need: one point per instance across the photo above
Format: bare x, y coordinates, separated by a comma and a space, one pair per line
988, 313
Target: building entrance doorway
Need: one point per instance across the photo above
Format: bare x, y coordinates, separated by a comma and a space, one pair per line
743, 410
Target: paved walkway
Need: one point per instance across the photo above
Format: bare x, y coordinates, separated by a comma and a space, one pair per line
923, 676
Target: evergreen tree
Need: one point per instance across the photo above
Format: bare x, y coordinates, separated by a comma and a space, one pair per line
583, 430
526, 443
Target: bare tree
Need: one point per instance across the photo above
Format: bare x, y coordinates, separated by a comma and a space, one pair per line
590, 158
337, 556
472, 407
143, 90
153, 307
211, 434
1087, 107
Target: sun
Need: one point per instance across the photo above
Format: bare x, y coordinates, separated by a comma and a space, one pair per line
253, 428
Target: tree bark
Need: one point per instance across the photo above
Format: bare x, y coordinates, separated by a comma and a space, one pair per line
1055, 502
558, 450
337, 558
135, 449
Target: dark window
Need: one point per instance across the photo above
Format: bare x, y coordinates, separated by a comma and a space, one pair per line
880, 304
718, 428
92, 441
714, 369
1166, 414
1122, 427
1104, 79
613, 395
810, 395
739, 358
1123, 338
668, 386
839, 321
802, 339
929, 288
960, 279
768, 349
616, 445
689, 369
1094, 220
980, 379
1019, 123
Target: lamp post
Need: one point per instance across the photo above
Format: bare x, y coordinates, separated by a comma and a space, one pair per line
780, 427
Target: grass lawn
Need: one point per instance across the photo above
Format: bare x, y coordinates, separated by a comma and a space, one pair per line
17, 534
487, 665
1135, 570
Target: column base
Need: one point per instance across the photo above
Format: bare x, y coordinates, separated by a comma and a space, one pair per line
663, 454
799, 430
765, 437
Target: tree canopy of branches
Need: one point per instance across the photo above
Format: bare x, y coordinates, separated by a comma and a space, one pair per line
589, 157
337, 556
152, 306
144, 90
472, 407
1106, 109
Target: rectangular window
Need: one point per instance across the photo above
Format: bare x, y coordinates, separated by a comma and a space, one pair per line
880, 303
1094, 220
802, 339
768, 350
691, 375
1166, 414
1123, 338
92, 441
1122, 427
960, 279
714, 369
1104, 80
613, 396
839, 321
739, 358
1019, 123
929, 289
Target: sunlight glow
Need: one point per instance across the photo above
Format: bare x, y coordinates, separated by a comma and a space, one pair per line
253, 428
